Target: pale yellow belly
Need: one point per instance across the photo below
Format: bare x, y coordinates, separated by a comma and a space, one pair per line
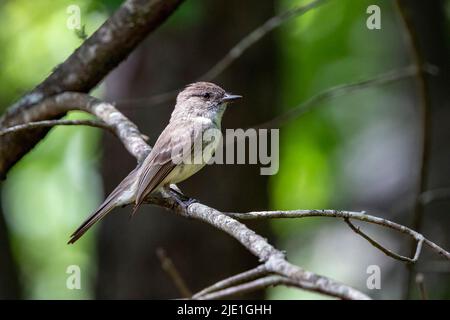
182, 172
185, 170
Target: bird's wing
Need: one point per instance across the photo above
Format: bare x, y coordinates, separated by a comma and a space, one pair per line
174, 144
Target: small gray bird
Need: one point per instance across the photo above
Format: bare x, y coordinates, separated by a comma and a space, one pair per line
174, 157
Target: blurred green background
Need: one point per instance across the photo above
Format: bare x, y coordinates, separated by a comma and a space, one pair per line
357, 152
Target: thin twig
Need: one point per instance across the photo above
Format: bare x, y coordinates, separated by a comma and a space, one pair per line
380, 247
168, 266
52, 123
250, 286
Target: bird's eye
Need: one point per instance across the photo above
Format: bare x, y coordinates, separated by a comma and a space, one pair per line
206, 95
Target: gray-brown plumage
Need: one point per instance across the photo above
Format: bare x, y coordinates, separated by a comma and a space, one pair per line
175, 156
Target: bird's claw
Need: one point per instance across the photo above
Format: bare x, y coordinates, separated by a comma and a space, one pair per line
183, 201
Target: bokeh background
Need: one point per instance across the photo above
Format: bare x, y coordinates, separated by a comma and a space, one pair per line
358, 151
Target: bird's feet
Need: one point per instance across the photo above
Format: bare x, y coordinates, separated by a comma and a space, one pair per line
182, 200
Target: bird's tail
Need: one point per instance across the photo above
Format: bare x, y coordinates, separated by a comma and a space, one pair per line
110, 203
102, 211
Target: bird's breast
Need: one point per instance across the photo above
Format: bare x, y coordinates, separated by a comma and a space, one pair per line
202, 152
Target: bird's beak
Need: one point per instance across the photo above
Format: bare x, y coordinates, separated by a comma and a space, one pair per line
228, 97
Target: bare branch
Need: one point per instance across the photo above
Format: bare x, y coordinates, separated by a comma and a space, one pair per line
52, 123
346, 215
122, 127
168, 266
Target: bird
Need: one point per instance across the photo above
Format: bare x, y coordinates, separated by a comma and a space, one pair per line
179, 152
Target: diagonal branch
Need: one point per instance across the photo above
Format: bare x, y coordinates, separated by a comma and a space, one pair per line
362, 216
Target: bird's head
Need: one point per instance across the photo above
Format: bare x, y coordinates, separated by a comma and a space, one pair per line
204, 99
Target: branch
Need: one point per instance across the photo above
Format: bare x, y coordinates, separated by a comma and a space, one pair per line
82, 71
346, 215
111, 118
258, 284
52, 123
